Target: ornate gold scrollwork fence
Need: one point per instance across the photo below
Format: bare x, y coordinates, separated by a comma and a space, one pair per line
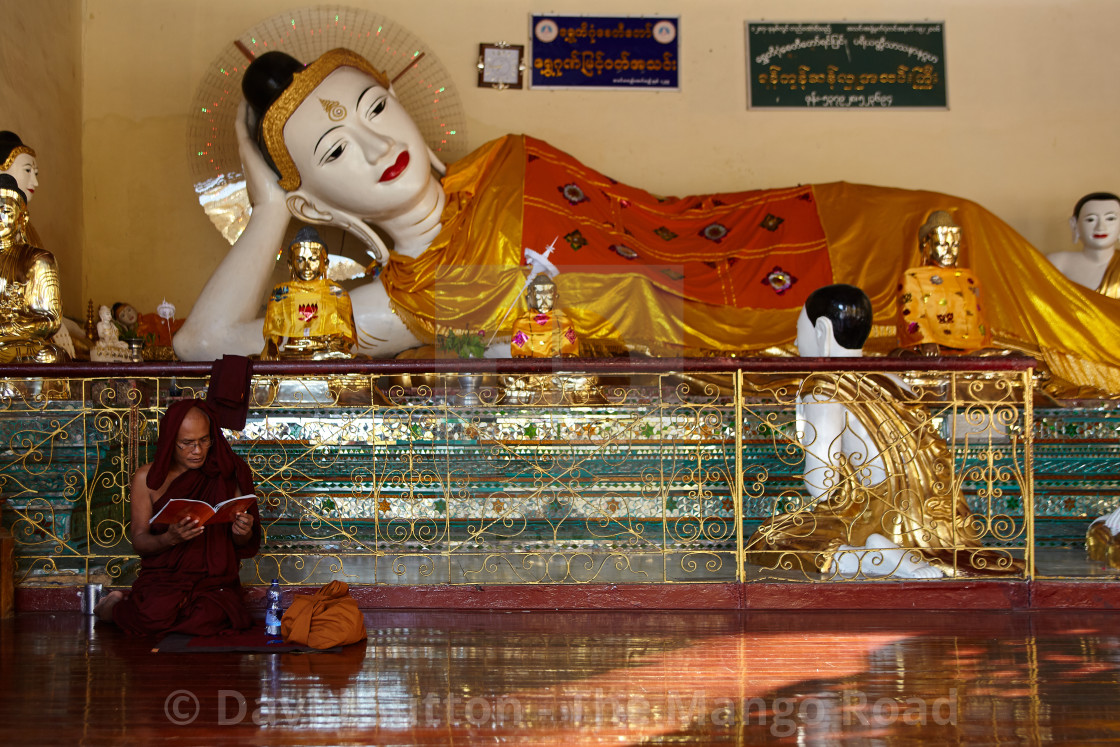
483, 472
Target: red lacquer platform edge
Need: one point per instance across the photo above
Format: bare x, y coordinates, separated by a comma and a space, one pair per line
889, 595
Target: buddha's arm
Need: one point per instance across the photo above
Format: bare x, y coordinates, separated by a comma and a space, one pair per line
224, 317
381, 333
820, 427
41, 315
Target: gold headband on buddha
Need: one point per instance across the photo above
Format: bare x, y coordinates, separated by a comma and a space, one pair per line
296, 245
16, 152
303, 83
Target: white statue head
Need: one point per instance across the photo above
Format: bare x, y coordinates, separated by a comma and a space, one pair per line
19, 160
346, 150
1096, 220
834, 323
104, 313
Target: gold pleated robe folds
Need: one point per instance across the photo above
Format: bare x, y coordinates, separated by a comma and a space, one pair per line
1102, 545
916, 506
310, 309
721, 274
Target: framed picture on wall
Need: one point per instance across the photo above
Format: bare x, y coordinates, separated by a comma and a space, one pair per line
500, 65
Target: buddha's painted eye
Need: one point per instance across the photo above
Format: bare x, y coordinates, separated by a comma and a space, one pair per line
335, 153
377, 107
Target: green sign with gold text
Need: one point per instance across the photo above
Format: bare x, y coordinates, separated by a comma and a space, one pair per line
811, 65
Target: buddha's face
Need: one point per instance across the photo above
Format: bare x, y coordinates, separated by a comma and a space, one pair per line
13, 217
542, 297
356, 148
1098, 224
943, 246
307, 262
25, 170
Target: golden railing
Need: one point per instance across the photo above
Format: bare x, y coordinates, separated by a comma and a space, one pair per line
510, 472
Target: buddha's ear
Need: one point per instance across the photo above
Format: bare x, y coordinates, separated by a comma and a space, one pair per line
308, 210
1074, 229
437, 164
302, 206
822, 330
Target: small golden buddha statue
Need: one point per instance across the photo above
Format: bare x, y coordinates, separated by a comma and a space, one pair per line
309, 317
939, 303
543, 332
30, 305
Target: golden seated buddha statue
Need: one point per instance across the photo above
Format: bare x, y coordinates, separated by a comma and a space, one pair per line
30, 305
308, 317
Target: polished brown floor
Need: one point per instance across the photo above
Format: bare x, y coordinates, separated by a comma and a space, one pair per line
565, 678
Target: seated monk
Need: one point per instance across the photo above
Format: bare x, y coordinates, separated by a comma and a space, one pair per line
30, 305
544, 332
939, 303
878, 474
189, 574
1096, 224
309, 317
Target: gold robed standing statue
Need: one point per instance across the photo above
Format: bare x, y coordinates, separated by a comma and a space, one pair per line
309, 317
30, 306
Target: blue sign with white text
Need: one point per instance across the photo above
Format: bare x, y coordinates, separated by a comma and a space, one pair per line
605, 52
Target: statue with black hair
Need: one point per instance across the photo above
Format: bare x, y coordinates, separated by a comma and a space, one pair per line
1096, 224
877, 471
19, 161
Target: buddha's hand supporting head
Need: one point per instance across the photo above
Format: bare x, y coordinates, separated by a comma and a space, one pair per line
346, 150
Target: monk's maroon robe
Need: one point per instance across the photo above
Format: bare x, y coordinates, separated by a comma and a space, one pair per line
193, 587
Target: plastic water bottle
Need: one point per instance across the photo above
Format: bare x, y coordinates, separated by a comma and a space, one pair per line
273, 614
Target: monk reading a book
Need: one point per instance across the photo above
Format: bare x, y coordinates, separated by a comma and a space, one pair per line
188, 580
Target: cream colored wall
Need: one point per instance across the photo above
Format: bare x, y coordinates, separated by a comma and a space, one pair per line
1032, 91
41, 101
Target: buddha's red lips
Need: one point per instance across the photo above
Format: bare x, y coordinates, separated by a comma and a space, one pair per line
396, 169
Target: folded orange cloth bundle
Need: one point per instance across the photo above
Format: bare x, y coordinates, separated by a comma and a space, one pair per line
329, 617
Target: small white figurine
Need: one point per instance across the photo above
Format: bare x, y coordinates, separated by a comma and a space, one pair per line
109, 347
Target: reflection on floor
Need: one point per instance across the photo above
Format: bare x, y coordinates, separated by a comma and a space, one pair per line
563, 678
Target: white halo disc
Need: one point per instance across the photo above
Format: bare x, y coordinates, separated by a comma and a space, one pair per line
424, 88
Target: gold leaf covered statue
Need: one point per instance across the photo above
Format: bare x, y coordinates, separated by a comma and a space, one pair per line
939, 303
544, 332
30, 306
879, 475
308, 317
